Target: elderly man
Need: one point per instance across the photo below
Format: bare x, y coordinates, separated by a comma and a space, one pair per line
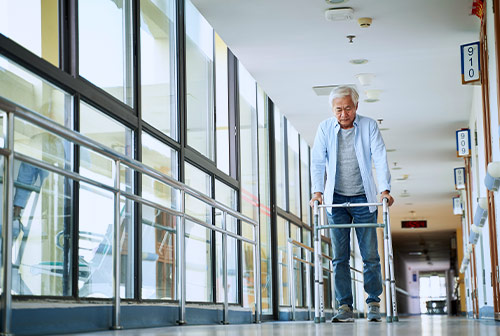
345, 146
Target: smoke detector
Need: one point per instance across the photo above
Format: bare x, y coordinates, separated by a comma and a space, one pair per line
365, 22
339, 14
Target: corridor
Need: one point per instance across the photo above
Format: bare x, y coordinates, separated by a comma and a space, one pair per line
409, 326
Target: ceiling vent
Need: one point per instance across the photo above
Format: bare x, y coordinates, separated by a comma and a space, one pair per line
339, 14
324, 90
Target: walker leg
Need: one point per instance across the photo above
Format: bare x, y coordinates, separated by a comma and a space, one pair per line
388, 300
395, 317
317, 265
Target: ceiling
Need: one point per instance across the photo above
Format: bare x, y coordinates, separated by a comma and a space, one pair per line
412, 48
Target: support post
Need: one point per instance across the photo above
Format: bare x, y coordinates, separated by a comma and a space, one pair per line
8, 186
225, 313
291, 279
116, 251
181, 233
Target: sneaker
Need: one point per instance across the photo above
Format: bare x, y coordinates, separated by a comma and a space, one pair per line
344, 314
374, 312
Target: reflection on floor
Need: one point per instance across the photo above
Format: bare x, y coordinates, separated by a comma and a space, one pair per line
418, 325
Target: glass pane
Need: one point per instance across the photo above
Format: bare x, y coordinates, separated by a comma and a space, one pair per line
96, 219
41, 250
158, 81
228, 196
265, 204
34, 25
222, 104
248, 276
198, 263
283, 261
248, 144
162, 158
201, 182
105, 46
297, 252
37, 143
97, 208
305, 181
34, 93
159, 266
279, 134
199, 82
293, 170
105, 130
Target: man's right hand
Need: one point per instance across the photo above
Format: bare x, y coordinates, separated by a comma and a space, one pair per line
316, 197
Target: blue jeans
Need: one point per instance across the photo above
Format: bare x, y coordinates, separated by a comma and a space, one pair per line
367, 239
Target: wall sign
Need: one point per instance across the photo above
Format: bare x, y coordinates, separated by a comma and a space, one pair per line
457, 206
463, 142
411, 224
470, 63
459, 178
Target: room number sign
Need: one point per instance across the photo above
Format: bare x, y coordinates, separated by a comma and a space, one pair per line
470, 63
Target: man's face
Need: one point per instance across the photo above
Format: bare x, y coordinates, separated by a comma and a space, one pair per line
345, 111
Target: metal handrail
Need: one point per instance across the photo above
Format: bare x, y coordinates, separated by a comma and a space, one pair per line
291, 274
11, 109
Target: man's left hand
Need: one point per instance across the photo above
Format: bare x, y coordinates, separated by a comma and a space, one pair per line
386, 194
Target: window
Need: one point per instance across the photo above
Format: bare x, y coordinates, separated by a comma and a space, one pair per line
279, 138
158, 79
105, 46
265, 203
283, 281
199, 82
159, 271
97, 208
305, 182
229, 197
198, 239
293, 170
222, 104
34, 25
42, 200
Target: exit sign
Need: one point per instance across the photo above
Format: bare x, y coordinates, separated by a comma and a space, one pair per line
411, 224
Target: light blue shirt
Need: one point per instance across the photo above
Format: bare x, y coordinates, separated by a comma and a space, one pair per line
368, 144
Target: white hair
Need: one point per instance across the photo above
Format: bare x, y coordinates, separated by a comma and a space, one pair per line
343, 91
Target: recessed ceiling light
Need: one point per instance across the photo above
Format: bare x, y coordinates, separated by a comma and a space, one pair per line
390, 150
358, 61
415, 253
335, 2
382, 129
396, 168
339, 14
371, 100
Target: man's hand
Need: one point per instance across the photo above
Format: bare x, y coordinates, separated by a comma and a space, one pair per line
386, 194
317, 197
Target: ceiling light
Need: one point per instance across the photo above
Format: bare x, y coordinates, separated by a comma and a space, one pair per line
339, 14
382, 129
365, 79
358, 61
371, 100
390, 150
404, 194
373, 93
415, 253
335, 2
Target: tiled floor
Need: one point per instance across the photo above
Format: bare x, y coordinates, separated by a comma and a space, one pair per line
424, 325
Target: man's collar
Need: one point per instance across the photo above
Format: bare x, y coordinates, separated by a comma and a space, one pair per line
356, 121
